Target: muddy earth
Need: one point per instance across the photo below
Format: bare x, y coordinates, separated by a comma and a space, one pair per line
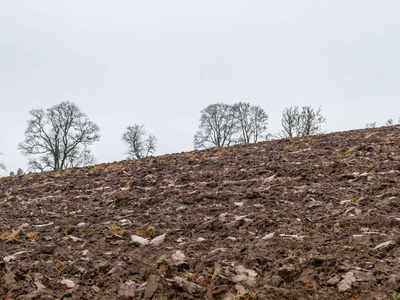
302, 218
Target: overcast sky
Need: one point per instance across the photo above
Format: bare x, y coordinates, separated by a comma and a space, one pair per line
158, 63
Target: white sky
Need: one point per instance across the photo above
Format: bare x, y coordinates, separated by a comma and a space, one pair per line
158, 63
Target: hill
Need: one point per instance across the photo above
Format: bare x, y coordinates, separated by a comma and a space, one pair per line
302, 218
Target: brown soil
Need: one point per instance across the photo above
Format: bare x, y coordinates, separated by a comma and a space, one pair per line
302, 218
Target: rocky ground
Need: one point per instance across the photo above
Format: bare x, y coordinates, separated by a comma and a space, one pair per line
302, 218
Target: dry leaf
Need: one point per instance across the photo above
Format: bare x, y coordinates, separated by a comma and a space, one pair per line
207, 280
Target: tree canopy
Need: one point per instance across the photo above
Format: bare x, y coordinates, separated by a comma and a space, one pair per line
224, 125
58, 138
301, 122
139, 145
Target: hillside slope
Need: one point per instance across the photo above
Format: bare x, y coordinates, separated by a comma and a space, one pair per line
302, 218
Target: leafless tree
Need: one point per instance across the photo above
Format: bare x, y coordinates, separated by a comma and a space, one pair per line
58, 138
370, 125
138, 145
217, 126
2, 166
389, 122
252, 122
296, 122
290, 122
310, 121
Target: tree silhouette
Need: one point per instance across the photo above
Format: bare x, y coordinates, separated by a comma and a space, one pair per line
58, 138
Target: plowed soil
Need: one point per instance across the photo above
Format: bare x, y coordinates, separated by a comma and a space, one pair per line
303, 218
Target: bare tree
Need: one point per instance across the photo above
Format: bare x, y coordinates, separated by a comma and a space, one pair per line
296, 122
138, 145
217, 126
290, 122
19, 172
389, 122
252, 122
310, 121
2, 166
370, 125
58, 138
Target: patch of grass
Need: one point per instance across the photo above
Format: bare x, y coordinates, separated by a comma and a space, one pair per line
4, 235
119, 202
151, 232
393, 296
306, 139
389, 194
27, 176
114, 167
334, 165
368, 135
375, 190
213, 180
221, 152
116, 230
32, 235
193, 157
390, 141
160, 261
97, 168
205, 155
312, 258
190, 156
248, 296
290, 148
10, 236
348, 151
60, 268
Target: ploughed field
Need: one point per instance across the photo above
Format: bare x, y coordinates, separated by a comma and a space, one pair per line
303, 218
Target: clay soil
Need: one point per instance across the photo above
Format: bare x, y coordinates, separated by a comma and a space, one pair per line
303, 218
